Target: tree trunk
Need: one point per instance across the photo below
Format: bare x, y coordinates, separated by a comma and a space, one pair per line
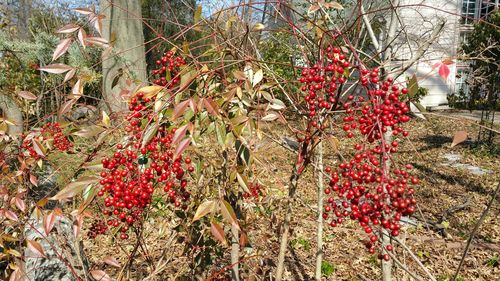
122, 27
23, 16
10, 111
319, 232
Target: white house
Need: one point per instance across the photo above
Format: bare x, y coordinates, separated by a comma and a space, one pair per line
459, 15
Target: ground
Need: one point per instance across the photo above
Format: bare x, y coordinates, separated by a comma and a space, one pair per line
450, 198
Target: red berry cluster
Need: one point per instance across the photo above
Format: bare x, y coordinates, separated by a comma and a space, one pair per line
98, 227
366, 189
384, 108
171, 65
135, 170
50, 131
362, 191
256, 191
54, 131
321, 83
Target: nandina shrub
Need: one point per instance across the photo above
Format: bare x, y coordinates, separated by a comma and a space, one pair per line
370, 188
148, 161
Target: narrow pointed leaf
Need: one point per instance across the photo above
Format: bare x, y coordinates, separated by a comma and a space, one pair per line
111, 261
36, 248
61, 48
228, 213
205, 208
179, 134
258, 76
217, 232
27, 95
69, 28
182, 146
74, 188
56, 68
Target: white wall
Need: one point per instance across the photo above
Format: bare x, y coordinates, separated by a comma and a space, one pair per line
420, 21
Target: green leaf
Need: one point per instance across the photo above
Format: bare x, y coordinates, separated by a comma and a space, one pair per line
413, 86
327, 268
228, 213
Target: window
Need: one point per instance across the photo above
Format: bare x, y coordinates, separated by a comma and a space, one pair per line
461, 81
468, 11
487, 6
477, 9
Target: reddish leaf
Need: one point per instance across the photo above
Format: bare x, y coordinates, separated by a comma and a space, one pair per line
111, 261
217, 232
204, 209
69, 75
61, 48
66, 107
11, 215
36, 248
97, 21
48, 222
313, 8
27, 95
39, 149
179, 134
15, 275
82, 35
69, 28
74, 188
84, 11
211, 106
181, 147
243, 239
98, 41
192, 104
444, 71
180, 109
56, 68
33, 180
459, 137
20, 204
100, 275
77, 225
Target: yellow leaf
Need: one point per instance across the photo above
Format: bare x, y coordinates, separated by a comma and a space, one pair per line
150, 91
105, 119
258, 27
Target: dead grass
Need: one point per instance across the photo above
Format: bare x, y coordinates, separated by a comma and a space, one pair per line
441, 187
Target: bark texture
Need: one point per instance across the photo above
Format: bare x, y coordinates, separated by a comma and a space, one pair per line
122, 27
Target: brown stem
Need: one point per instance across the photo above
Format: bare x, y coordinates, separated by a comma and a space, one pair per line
319, 233
286, 224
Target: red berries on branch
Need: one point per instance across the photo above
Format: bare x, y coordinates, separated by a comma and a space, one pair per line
321, 83
50, 132
142, 168
169, 70
364, 189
